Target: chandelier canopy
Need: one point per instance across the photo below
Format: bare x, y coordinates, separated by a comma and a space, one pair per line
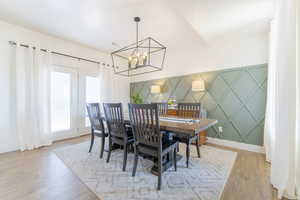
143, 56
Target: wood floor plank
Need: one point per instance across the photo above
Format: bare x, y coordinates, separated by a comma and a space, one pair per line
39, 174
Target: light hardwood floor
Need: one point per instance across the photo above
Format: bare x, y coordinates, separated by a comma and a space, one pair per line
40, 175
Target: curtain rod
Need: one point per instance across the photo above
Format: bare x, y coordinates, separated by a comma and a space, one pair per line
62, 54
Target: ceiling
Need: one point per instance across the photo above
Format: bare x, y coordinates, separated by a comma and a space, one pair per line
99, 23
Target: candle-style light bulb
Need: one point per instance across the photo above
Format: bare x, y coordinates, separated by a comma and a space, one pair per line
145, 57
134, 62
129, 61
139, 59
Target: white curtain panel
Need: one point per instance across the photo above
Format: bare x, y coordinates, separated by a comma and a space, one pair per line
106, 84
114, 88
298, 101
280, 122
31, 97
269, 129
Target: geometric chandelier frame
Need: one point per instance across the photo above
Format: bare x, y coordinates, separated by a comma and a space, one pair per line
143, 56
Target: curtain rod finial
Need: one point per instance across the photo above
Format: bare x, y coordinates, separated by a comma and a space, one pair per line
12, 42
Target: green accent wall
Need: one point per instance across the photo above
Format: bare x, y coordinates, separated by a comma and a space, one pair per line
236, 97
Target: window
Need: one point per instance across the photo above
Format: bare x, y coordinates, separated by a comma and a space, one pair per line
60, 101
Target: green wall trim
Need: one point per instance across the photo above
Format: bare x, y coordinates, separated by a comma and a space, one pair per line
236, 97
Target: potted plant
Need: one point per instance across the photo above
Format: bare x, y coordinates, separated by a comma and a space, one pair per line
137, 99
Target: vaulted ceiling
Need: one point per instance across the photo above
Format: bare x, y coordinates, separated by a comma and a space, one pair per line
99, 23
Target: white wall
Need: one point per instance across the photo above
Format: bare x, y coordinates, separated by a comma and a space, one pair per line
229, 51
8, 139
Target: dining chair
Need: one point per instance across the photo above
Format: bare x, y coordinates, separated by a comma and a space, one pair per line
148, 138
118, 132
189, 110
162, 111
162, 108
97, 126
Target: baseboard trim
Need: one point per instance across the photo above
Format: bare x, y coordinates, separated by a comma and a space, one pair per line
237, 145
16, 148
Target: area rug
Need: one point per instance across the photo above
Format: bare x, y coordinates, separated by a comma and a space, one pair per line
203, 180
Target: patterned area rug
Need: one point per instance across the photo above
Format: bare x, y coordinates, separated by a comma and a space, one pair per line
203, 180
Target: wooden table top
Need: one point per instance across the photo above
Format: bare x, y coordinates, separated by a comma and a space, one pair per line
189, 127
184, 126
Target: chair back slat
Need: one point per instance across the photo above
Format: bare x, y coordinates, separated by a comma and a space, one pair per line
162, 108
191, 110
145, 124
114, 119
94, 114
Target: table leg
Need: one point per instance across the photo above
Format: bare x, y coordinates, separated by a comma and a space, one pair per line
167, 163
187, 153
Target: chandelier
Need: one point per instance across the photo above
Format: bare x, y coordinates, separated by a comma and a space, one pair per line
143, 56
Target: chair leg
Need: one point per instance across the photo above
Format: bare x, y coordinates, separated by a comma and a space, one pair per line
197, 146
175, 159
136, 158
109, 149
92, 141
125, 157
187, 153
159, 172
102, 146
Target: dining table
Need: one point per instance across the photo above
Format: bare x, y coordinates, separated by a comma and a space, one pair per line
180, 127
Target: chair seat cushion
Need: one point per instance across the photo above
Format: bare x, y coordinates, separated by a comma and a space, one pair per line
120, 140
99, 133
129, 133
167, 146
130, 139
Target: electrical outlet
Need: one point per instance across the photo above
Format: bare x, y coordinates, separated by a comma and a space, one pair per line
220, 129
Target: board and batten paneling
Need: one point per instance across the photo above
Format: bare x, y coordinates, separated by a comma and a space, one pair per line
236, 97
